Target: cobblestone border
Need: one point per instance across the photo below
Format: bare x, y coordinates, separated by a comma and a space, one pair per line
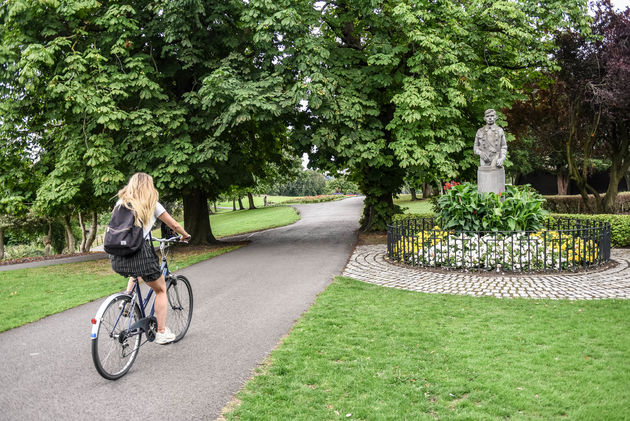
369, 264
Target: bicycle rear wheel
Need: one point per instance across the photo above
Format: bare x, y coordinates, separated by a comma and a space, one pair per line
114, 347
180, 305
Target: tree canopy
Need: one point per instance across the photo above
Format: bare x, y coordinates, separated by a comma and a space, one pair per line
107, 89
206, 96
583, 116
394, 84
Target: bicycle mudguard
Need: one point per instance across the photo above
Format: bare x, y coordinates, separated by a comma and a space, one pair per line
96, 321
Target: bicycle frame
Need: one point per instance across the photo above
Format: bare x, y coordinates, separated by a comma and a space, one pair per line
136, 297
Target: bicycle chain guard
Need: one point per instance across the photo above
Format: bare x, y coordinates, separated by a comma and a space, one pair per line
148, 325
152, 329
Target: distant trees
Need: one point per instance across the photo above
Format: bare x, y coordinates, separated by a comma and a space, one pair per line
306, 183
341, 183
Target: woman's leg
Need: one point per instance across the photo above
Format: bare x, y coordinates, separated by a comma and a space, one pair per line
161, 301
130, 284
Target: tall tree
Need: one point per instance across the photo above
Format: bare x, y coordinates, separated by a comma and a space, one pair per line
111, 88
394, 84
583, 117
539, 126
611, 96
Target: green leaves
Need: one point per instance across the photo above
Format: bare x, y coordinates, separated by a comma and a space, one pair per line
463, 208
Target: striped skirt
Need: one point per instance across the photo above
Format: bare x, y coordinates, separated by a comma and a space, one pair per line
144, 263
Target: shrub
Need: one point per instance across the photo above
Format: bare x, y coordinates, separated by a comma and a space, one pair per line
313, 199
406, 216
574, 203
463, 208
619, 226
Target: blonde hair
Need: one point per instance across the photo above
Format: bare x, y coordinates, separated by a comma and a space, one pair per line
141, 196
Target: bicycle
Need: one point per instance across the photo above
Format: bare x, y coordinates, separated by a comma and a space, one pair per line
121, 320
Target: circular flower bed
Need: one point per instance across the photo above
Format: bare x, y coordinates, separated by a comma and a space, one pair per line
562, 244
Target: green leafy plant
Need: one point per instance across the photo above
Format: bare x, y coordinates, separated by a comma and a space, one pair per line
463, 208
460, 208
522, 209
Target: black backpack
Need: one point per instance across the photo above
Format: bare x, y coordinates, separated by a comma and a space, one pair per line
123, 237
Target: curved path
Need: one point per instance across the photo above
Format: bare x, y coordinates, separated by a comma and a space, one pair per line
245, 302
369, 264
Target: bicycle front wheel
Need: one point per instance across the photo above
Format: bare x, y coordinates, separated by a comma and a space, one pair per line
180, 306
115, 346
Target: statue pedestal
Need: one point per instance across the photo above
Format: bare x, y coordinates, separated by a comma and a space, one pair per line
490, 180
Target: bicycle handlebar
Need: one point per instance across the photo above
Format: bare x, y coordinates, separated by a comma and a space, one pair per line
175, 239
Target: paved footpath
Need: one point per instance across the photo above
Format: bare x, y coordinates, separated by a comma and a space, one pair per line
245, 302
369, 264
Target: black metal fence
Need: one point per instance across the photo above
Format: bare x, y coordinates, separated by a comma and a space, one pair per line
563, 244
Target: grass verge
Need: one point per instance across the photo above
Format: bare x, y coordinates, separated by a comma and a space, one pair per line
240, 222
28, 295
259, 201
367, 352
413, 206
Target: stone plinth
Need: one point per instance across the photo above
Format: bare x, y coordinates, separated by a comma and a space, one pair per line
490, 180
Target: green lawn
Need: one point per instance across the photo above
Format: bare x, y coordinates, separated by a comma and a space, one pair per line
373, 353
237, 222
415, 206
27, 295
259, 201
228, 223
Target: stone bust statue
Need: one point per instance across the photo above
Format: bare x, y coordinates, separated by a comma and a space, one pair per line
490, 142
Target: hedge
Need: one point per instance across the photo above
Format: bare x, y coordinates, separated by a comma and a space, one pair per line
573, 204
619, 224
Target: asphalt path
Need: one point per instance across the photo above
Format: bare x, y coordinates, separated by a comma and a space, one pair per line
245, 302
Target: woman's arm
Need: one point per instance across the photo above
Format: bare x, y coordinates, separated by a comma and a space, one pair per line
168, 220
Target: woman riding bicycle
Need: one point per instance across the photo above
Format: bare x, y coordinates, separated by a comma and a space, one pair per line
141, 197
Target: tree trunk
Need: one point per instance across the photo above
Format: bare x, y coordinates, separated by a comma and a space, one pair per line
48, 239
618, 170
378, 183
233, 204
427, 190
580, 177
250, 197
1, 243
197, 219
215, 206
413, 193
377, 212
70, 240
562, 181
83, 233
93, 228
240, 204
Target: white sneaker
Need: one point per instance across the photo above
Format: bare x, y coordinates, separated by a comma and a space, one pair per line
165, 337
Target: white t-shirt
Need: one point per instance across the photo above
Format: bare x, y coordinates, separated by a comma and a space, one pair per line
159, 210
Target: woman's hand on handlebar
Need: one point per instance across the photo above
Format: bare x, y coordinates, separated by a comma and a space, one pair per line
184, 238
